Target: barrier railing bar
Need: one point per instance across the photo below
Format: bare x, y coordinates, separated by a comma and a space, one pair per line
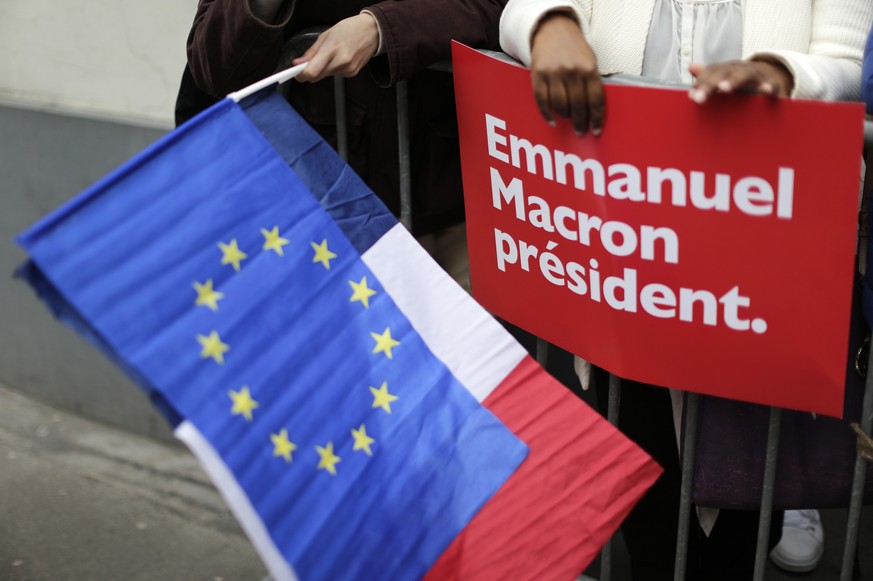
342, 132
773, 431
403, 153
612, 409
857, 497
868, 133
542, 352
689, 448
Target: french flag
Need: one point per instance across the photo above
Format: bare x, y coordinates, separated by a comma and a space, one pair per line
361, 414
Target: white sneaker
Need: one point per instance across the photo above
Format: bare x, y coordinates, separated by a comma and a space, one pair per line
802, 542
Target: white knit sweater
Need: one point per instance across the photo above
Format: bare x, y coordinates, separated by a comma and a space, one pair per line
820, 41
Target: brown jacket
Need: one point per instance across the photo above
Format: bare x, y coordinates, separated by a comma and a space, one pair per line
229, 48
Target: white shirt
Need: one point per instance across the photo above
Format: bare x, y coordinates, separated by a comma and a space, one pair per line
687, 31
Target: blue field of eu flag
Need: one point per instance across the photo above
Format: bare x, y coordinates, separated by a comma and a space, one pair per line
222, 270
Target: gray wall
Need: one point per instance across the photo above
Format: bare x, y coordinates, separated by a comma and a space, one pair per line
46, 159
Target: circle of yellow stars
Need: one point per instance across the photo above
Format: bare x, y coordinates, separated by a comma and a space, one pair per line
242, 401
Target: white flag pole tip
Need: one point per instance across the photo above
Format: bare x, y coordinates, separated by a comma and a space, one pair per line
276, 79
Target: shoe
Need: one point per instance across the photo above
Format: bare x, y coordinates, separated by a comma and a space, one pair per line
802, 542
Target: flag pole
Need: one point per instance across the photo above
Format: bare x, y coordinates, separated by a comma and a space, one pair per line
276, 79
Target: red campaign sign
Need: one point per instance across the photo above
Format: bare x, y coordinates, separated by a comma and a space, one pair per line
705, 248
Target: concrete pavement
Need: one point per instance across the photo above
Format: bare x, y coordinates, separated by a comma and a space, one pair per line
82, 501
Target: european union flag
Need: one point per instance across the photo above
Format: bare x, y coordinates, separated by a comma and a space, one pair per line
231, 292
363, 417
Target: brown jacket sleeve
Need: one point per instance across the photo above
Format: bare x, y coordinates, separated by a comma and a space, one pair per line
418, 33
229, 48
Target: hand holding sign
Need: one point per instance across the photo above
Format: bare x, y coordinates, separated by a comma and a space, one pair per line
765, 77
564, 74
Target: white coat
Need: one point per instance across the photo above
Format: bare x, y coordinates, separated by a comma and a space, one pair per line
820, 41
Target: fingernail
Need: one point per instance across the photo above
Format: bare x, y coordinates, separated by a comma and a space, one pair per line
767, 88
697, 96
724, 86
552, 122
596, 131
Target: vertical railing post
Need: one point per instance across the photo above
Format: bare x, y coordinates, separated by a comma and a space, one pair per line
542, 352
773, 432
403, 153
612, 409
342, 130
689, 449
859, 478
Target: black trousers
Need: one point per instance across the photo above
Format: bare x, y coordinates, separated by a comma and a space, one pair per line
649, 531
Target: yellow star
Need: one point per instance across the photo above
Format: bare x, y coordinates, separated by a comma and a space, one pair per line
328, 460
381, 398
362, 440
384, 342
361, 292
243, 404
272, 240
206, 296
231, 254
322, 254
282, 446
213, 347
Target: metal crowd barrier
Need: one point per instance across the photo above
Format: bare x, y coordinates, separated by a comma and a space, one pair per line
692, 401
